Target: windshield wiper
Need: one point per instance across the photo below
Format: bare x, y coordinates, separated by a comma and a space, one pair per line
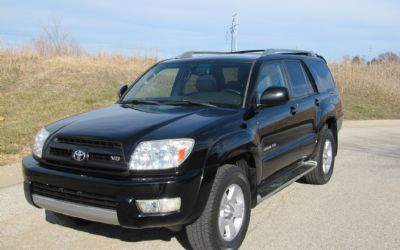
136, 101
189, 103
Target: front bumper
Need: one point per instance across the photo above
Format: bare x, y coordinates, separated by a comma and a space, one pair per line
124, 193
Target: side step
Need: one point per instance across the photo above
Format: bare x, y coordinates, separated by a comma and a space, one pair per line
283, 178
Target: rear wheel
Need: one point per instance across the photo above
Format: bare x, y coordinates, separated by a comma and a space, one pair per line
325, 157
225, 219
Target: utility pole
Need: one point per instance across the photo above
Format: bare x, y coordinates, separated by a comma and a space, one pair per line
233, 32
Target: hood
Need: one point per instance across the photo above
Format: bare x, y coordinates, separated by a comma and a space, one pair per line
127, 125
123, 123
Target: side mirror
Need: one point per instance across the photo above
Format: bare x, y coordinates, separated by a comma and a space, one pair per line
274, 96
121, 91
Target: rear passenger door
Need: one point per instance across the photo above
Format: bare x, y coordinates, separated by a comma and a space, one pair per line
303, 108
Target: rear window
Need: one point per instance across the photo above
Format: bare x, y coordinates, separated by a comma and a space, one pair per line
321, 75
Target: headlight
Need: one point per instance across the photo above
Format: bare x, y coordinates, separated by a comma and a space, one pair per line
161, 154
40, 139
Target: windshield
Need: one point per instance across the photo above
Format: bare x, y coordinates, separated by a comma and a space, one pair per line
220, 84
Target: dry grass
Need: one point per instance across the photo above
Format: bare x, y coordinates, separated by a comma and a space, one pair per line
37, 90
369, 91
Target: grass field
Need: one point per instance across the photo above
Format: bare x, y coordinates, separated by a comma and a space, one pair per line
37, 90
369, 91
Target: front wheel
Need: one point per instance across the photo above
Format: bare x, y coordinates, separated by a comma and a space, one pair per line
225, 219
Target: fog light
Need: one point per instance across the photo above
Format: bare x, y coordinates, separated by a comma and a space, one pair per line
159, 206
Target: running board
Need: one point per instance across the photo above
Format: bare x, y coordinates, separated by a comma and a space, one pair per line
283, 179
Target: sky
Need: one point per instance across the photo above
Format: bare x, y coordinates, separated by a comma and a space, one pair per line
167, 28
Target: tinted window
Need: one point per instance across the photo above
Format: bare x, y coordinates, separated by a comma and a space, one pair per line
270, 75
301, 86
321, 75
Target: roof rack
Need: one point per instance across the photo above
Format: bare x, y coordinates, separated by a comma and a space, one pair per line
263, 52
189, 54
289, 51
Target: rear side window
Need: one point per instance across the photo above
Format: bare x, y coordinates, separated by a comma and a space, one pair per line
301, 85
321, 75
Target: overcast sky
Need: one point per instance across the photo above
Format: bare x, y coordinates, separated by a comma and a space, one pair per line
331, 28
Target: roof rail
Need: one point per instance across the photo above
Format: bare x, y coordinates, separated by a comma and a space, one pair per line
264, 52
289, 51
247, 51
189, 54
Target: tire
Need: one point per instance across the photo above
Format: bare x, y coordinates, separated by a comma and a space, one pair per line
65, 219
322, 174
205, 232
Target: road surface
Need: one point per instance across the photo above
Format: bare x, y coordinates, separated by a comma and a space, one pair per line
358, 209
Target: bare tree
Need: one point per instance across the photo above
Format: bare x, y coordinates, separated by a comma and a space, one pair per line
388, 57
55, 42
356, 60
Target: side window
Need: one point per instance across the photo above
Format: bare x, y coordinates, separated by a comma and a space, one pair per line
322, 75
301, 85
271, 74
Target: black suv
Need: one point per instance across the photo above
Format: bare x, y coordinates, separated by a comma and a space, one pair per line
195, 142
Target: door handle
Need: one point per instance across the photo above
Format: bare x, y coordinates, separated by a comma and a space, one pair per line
293, 110
316, 101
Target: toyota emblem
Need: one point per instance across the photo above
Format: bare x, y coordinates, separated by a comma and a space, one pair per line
79, 155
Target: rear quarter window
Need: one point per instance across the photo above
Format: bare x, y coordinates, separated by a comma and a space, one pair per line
321, 74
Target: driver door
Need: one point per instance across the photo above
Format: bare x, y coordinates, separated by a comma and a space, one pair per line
276, 125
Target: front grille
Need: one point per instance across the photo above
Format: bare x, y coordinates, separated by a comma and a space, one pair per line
61, 152
67, 153
104, 157
101, 156
88, 142
75, 196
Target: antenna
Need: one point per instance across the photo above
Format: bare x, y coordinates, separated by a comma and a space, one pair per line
233, 32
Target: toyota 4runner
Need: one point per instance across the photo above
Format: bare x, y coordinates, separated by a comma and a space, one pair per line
195, 142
